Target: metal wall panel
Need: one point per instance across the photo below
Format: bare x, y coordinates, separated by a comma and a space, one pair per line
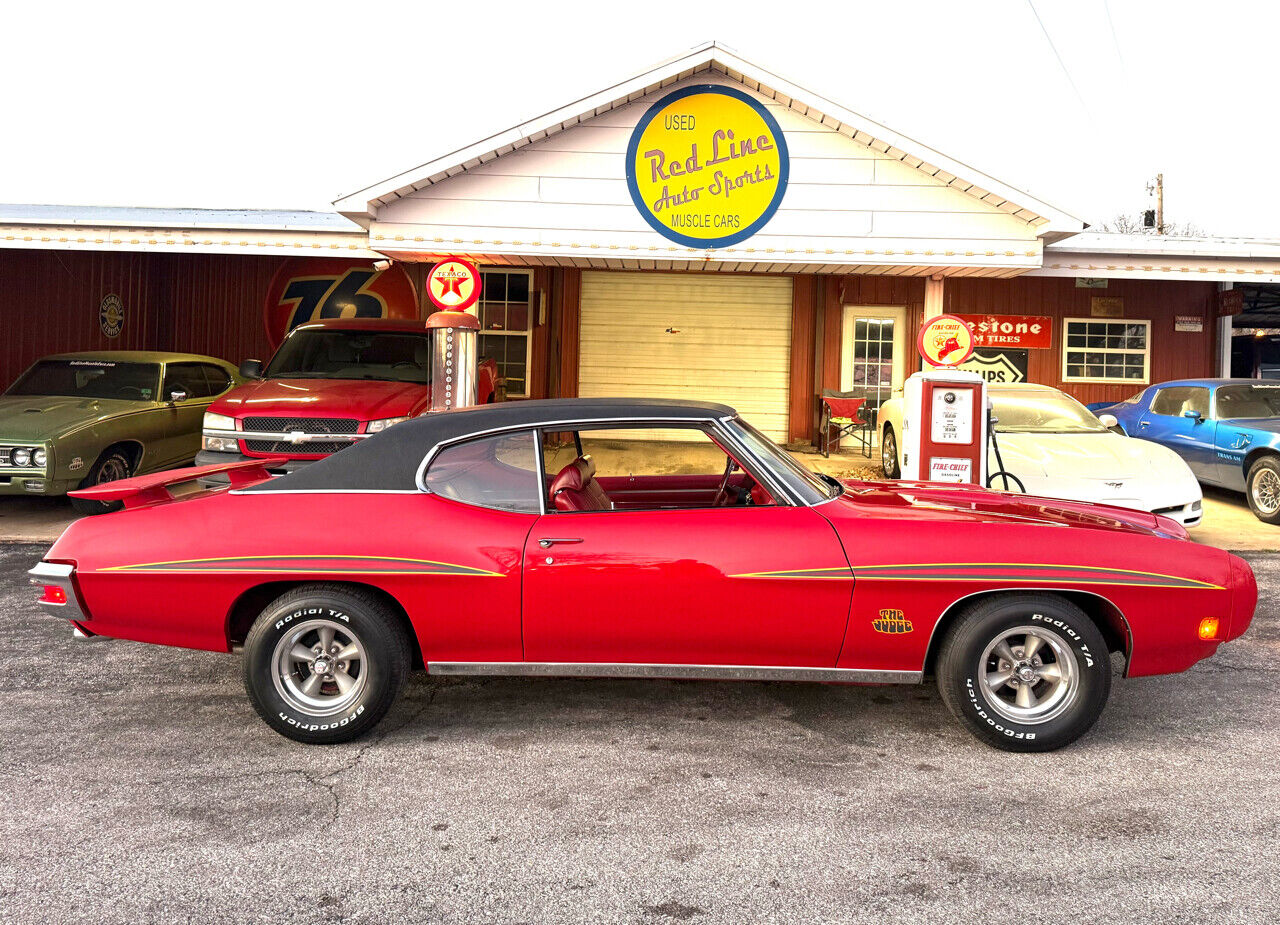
49, 303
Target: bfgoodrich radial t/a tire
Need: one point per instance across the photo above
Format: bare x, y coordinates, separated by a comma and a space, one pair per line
324, 663
1262, 488
1025, 672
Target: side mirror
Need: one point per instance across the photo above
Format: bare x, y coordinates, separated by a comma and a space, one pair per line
1193, 414
1108, 420
177, 395
251, 369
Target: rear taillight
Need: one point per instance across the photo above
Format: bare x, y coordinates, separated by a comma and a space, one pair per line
53, 595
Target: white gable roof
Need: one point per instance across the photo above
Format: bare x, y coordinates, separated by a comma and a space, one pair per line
1050, 223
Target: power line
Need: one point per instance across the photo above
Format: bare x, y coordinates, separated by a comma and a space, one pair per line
1062, 64
1115, 40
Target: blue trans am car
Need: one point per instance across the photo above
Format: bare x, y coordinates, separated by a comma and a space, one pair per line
1228, 431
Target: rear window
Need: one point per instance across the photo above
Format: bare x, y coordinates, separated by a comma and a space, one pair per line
90, 379
499, 472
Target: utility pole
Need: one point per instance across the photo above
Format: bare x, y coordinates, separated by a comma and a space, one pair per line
1158, 189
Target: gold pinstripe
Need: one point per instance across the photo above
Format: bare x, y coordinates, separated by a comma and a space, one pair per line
465, 570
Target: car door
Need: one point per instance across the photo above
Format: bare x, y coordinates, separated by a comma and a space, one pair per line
184, 418
760, 584
1191, 438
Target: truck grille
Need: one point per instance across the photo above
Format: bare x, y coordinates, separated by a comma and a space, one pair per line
306, 425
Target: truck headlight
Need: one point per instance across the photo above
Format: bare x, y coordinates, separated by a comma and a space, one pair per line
21, 457
218, 444
374, 427
39, 458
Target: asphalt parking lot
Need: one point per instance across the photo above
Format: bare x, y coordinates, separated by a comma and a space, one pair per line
137, 785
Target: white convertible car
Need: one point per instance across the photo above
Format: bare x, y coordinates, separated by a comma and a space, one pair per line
1058, 449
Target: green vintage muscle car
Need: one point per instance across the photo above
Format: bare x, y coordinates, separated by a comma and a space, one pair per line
79, 419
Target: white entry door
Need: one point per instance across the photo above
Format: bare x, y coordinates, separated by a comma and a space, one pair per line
873, 351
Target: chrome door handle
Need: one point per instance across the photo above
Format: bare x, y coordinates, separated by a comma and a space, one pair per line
1144, 423
551, 541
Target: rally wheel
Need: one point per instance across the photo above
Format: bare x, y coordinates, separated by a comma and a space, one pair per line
889, 453
1025, 672
1263, 489
112, 466
324, 664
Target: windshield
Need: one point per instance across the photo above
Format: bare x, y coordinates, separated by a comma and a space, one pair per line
809, 485
1248, 401
90, 379
399, 356
1042, 412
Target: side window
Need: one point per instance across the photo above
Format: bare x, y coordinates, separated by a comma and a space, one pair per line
1174, 401
498, 472
187, 377
644, 469
217, 378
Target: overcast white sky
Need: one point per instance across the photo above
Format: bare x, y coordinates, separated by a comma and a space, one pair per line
291, 105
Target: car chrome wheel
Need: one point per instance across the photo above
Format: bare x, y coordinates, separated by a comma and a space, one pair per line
1029, 674
320, 668
114, 468
888, 452
1266, 491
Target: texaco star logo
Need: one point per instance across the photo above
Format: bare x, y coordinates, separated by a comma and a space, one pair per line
453, 284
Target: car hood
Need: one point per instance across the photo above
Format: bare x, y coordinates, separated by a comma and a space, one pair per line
35, 418
929, 500
1080, 456
363, 399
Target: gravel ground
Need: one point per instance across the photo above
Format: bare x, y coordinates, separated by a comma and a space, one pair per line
137, 785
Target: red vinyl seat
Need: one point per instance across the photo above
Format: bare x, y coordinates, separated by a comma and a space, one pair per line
575, 488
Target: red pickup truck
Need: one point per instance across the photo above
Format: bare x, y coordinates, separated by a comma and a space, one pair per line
330, 384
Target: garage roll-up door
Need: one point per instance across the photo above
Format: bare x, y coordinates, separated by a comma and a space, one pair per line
686, 335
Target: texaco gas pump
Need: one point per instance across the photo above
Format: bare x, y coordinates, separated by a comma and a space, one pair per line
453, 360
453, 286
944, 410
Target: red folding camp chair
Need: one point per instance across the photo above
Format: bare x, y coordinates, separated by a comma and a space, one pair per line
844, 415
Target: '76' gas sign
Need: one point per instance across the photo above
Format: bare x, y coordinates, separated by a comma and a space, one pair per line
312, 289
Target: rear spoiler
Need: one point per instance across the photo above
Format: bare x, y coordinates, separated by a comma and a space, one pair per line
155, 489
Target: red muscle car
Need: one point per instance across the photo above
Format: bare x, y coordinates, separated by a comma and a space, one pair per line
340, 578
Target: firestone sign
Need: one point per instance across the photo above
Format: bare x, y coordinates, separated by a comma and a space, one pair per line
1018, 331
707, 166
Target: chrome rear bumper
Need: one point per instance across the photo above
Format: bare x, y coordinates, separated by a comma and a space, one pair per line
58, 575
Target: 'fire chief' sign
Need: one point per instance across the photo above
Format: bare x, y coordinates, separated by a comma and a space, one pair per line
1019, 331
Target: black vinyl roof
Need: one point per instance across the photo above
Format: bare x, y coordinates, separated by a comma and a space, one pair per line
389, 461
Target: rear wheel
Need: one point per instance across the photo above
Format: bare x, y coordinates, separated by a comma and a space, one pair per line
889, 453
1262, 488
112, 466
323, 664
1025, 672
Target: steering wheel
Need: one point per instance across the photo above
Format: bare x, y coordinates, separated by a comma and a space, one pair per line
131, 388
722, 494
405, 363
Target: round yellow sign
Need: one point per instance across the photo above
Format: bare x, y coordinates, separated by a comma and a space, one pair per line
945, 341
707, 166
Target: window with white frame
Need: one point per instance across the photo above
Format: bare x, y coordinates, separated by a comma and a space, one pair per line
506, 318
1106, 350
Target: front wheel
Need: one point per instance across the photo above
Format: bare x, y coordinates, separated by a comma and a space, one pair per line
889, 453
323, 664
112, 466
1025, 672
1262, 488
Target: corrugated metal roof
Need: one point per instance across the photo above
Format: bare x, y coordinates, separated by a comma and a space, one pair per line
1104, 242
143, 217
